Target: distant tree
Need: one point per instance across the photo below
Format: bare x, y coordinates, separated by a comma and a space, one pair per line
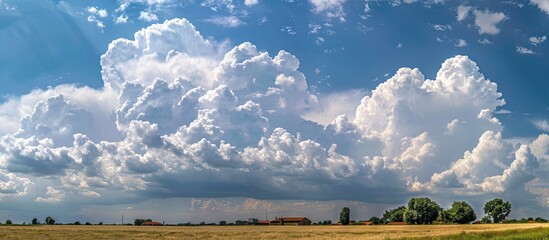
34, 221
88, 223
345, 216
394, 215
100, 223
50, 220
327, 222
8, 222
77, 223
140, 221
540, 220
460, 212
497, 209
375, 220
421, 211
486, 219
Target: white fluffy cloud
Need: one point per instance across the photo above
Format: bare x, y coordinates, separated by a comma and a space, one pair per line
543, 5
250, 2
463, 12
180, 110
147, 16
332, 8
487, 21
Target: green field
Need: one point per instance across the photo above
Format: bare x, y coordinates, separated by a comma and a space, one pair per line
501, 231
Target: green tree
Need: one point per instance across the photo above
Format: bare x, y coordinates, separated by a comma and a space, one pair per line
77, 223
34, 221
8, 222
460, 212
421, 211
486, 219
100, 223
375, 220
394, 215
140, 221
345, 216
497, 209
50, 220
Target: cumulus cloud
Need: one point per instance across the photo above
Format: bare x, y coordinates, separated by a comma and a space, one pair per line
95, 14
461, 43
147, 16
463, 12
543, 5
250, 2
487, 21
332, 8
542, 125
178, 109
52, 196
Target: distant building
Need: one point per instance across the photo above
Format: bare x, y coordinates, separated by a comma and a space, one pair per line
254, 221
152, 224
291, 221
263, 222
366, 223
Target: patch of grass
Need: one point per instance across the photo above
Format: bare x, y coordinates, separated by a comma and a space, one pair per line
514, 234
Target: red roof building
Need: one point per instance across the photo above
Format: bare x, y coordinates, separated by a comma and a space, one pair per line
291, 221
152, 224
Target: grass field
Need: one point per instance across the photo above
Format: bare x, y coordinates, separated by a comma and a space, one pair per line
501, 231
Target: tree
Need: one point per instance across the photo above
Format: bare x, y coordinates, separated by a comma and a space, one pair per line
394, 215
140, 221
497, 209
100, 223
486, 219
421, 211
460, 212
34, 221
50, 220
375, 220
344, 216
8, 222
77, 223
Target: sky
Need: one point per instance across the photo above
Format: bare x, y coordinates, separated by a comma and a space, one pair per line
210, 110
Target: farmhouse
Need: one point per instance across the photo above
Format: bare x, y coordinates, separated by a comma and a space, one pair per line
152, 224
291, 221
254, 221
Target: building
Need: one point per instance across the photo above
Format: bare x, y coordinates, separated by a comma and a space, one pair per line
365, 223
291, 221
254, 221
152, 224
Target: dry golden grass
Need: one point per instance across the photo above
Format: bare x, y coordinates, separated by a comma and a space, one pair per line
249, 232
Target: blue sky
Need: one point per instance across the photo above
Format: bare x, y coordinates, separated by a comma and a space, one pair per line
97, 95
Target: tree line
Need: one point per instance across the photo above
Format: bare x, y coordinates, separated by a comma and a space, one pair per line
423, 210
